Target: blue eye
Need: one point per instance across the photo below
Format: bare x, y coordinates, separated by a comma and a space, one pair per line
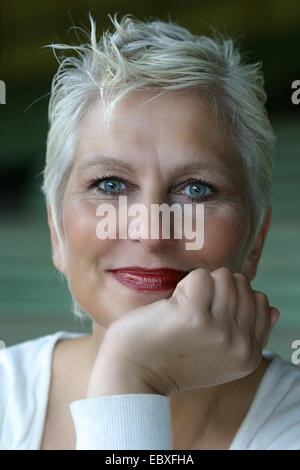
108, 185
198, 190
111, 185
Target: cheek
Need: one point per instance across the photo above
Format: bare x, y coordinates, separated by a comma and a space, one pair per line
82, 243
224, 241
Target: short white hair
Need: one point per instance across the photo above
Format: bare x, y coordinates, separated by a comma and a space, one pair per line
162, 56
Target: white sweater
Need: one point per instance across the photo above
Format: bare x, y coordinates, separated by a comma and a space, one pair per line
133, 421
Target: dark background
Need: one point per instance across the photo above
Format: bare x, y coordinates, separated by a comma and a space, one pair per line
33, 299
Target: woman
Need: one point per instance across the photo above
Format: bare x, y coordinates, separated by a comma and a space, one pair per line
176, 358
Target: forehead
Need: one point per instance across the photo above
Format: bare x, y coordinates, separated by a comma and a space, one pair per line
174, 128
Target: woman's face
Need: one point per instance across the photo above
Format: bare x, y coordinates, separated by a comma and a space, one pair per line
150, 145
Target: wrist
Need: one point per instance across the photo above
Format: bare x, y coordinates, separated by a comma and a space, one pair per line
112, 375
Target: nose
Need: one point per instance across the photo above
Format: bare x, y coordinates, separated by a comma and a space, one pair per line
153, 225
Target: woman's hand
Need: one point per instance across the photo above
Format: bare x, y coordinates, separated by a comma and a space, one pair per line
211, 331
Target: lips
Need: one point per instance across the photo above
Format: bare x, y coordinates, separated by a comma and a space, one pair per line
145, 279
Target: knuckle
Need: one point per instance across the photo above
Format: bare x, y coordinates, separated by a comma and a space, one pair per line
203, 277
223, 275
241, 277
243, 347
201, 273
222, 272
261, 298
222, 338
248, 354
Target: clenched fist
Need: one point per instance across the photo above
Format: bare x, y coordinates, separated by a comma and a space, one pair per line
212, 330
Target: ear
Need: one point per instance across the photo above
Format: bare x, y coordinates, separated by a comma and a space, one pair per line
250, 266
57, 254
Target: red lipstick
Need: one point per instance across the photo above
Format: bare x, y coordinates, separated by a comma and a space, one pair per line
146, 279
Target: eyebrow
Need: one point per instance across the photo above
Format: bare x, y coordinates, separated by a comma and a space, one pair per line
103, 160
119, 163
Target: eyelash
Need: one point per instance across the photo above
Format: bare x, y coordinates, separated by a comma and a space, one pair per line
95, 182
213, 189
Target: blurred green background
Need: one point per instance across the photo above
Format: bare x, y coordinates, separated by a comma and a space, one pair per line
34, 301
